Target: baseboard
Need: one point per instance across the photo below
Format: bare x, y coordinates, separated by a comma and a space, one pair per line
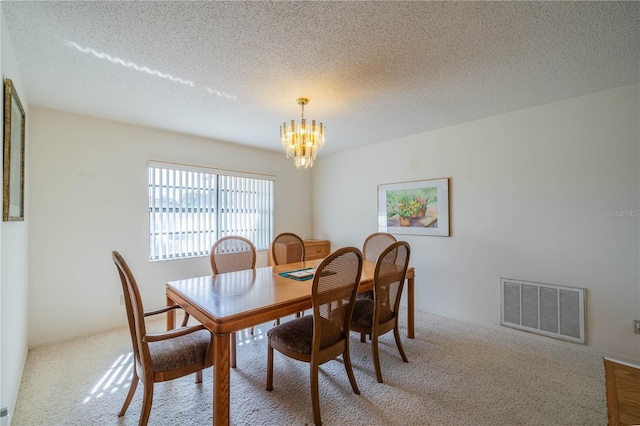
580, 347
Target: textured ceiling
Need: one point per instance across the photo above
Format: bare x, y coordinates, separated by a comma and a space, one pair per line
374, 71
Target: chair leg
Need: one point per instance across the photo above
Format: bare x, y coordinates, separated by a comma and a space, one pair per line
233, 349
132, 390
315, 395
363, 337
199, 376
346, 357
147, 400
376, 356
396, 334
269, 367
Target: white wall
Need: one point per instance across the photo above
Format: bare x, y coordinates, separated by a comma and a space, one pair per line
529, 193
89, 197
13, 258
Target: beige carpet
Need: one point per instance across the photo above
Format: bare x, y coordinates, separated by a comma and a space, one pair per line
458, 374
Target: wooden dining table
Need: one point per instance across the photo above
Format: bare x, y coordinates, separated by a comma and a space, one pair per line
233, 301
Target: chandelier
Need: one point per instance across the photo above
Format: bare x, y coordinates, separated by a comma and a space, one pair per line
302, 141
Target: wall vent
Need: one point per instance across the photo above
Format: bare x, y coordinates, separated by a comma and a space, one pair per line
545, 309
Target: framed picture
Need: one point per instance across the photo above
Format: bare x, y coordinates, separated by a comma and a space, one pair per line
13, 155
414, 208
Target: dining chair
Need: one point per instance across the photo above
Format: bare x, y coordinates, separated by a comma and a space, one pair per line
380, 315
373, 245
230, 254
323, 336
159, 357
287, 248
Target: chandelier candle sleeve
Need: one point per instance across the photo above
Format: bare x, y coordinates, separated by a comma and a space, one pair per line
302, 141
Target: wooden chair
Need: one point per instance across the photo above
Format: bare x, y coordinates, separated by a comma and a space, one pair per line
371, 249
380, 315
287, 248
375, 244
323, 336
230, 254
159, 357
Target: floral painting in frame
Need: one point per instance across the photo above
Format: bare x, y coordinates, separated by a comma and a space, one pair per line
414, 208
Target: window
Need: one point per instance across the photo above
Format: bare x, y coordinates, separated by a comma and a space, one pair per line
190, 208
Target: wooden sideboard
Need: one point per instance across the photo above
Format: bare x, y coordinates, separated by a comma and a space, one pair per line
313, 249
316, 249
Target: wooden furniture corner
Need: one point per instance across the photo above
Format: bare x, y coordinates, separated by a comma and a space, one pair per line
623, 393
316, 249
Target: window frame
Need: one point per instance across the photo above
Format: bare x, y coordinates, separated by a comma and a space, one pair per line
226, 186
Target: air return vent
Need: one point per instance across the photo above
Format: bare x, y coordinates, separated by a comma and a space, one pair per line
546, 309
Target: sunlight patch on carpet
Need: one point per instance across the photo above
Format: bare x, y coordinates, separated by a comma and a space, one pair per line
117, 377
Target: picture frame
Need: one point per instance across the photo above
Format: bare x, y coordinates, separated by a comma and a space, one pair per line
414, 208
13, 155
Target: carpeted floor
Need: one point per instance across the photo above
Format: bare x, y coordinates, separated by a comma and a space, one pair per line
458, 374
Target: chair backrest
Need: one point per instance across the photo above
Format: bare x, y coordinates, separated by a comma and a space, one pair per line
333, 294
135, 310
375, 244
287, 248
232, 253
388, 280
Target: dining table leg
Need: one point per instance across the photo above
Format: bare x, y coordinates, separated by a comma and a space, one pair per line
171, 315
410, 309
221, 380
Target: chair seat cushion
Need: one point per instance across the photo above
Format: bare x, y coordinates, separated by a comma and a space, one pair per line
297, 334
363, 313
180, 351
365, 295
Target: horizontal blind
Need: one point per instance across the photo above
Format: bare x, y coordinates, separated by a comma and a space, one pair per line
190, 208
